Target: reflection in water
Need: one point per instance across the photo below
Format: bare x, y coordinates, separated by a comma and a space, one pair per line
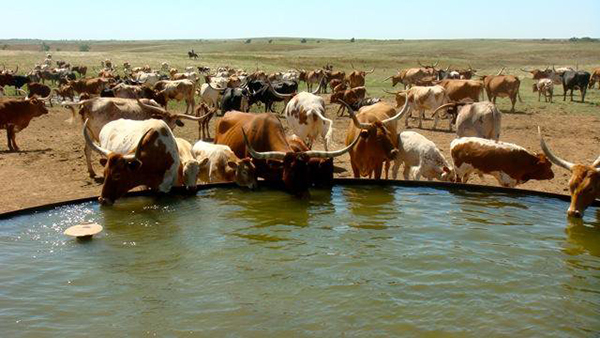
582, 237
372, 210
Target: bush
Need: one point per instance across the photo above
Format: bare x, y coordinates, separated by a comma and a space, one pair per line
44, 47
248, 41
57, 49
271, 40
4, 47
303, 41
352, 40
84, 48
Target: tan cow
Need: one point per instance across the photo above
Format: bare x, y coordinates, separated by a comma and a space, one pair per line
357, 77
502, 86
459, 90
584, 185
224, 166
177, 90
422, 99
351, 96
190, 167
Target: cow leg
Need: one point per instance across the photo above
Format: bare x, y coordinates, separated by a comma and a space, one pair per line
387, 169
395, 168
355, 169
421, 116
377, 171
513, 100
583, 90
406, 172
12, 143
88, 159
571, 94
408, 116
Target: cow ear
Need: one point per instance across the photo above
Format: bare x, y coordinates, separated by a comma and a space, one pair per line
179, 123
446, 169
232, 164
103, 162
204, 162
134, 165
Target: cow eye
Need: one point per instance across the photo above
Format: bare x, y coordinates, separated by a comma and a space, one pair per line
116, 177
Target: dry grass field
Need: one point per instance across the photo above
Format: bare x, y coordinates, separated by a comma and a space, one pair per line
50, 166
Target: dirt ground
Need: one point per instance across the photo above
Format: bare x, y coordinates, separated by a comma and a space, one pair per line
51, 167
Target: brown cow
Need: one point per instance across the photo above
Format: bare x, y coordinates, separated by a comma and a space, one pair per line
40, 90
584, 185
92, 86
314, 76
266, 140
349, 96
82, 70
502, 86
15, 115
595, 78
176, 90
509, 163
379, 143
65, 91
459, 90
357, 77
206, 113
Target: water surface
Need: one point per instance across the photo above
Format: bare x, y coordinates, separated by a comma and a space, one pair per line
355, 261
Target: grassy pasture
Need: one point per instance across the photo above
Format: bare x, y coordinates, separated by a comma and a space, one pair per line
487, 56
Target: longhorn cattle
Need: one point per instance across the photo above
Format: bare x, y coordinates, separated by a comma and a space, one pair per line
305, 114
510, 164
378, 145
178, 90
351, 96
82, 70
572, 80
224, 166
15, 115
40, 90
584, 185
269, 93
314, 76
64, 92
266, 140
595, 78
190, 166
545, 87
136, 153
476, 119
206, 113
164, 66
89, 86
421, 99
420, 157
210, 94
502, 86
148, 79
459, 90
357, 77
126, 91
100, 111
234, 99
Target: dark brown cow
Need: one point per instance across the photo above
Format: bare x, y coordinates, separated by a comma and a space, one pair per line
502, 86
379, 143
584, 185
357, 77
82, 70
15, 116
460, 90
265, 140
40, 90
90, 86
349, 96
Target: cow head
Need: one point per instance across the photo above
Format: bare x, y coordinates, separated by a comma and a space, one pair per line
542, 169
121, 172
243, 173
584, 185
361, 73
377, 136
295, 165
38, 106
190, 171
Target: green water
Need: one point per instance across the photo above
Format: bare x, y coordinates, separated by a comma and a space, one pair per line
353, 261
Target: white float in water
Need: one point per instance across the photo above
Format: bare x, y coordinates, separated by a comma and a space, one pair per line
83, 231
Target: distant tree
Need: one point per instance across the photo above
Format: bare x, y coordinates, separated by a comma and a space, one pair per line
318, 41
44, 47
57, 49
303, 41
352, 40
4, 47
248, 41
270, 40
84, 48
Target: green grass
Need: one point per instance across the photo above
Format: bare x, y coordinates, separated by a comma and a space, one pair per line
487, 56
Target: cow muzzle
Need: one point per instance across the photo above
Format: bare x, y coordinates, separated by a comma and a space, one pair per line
393, 154
574, 213
105, 201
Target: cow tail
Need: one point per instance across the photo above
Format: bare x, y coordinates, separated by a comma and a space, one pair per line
519, 95
329, 133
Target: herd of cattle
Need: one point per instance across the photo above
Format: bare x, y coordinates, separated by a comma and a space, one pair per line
125, 120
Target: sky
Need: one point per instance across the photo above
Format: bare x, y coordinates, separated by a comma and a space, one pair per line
338, 19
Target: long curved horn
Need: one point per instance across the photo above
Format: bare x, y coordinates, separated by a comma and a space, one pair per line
401, 113
371, 71
262, 155
152, 108
501, 70
138, 148
596, 163
214, 88
444, 106
279, 95
90, 143
436, 63
359, 125
23, 92
314, 92
553, 158
387, 78
420, 64
189, 117
334, 153
352, 65
390, 92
